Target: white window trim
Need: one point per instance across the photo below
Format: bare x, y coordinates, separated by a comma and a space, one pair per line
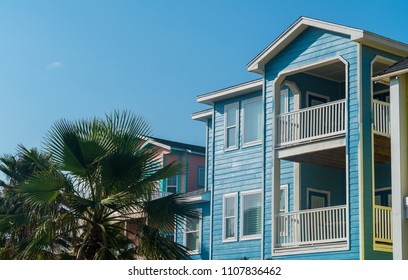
226, 107
253, 236
234, 195
285, 189
318, 191
245, 102
198, 251
309, 93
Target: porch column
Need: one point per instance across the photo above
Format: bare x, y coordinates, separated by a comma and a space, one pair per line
276, 166
399, 165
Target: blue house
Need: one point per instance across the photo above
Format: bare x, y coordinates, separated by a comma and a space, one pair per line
298, 162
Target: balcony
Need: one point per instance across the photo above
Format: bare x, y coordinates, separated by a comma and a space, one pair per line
313, 227
381, 118
382, 228
312, 123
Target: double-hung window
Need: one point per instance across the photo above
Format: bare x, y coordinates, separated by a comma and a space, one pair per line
251, 214
230, 214
192, 236
231, 125
171, 184
252, 121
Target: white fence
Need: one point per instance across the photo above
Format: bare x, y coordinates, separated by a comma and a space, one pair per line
314, 226
382, 226
313, 122
381, 118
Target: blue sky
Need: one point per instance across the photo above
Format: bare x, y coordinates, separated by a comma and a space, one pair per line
78, 59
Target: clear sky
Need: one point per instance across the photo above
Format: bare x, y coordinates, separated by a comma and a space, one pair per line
77, 59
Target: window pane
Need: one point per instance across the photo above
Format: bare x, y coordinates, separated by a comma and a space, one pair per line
171, 189
172, 181
230, 228
252, 122
282, 203
192, 224
252, 214
231, 139
231, 116
284, 102
229, 206
192, 240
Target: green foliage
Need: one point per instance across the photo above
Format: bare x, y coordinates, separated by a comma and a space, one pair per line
74, 200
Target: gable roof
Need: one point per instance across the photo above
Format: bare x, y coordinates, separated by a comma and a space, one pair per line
395, 69
367, 38
173, 145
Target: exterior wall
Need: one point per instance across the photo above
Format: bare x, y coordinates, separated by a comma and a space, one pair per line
312, 46
305, 83
368, 55
193, 163
326, 179
234, 171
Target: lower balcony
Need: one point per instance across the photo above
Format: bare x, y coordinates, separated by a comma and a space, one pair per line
382, 228
313, 229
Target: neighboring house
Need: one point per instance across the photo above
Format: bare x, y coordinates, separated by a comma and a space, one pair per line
299, 161
191, 178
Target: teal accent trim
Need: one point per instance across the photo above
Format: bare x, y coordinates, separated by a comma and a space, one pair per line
186, 174
163, 181
179, 175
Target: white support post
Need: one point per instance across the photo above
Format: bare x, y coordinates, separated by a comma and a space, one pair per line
399, 165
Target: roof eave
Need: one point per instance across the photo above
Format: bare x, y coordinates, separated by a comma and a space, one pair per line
230, 92
202, 116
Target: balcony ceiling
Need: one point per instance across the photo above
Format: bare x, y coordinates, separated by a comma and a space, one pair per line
334, 72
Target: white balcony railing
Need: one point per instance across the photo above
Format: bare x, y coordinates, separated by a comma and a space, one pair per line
159, 194
312, 227
311, 123
382, 226
381, 118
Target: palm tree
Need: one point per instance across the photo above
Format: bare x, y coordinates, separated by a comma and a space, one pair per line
102, 177
19, 220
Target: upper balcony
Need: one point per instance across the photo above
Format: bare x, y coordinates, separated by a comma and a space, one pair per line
312, 123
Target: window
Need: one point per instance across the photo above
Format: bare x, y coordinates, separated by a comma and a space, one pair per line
229, 220
200, 177
252, 124
317, 198
171, 184
314, 99
283, 199
231, 126
251, 211
192, 237
284, 101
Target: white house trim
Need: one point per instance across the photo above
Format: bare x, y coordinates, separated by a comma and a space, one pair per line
258, 63
202, 115
229, 92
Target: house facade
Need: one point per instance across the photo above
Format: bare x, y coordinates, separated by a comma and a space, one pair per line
299, 162
190, 180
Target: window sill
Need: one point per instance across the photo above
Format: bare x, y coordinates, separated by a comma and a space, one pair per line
251, 144
191, 253
229, 240
230, 149
251, 237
